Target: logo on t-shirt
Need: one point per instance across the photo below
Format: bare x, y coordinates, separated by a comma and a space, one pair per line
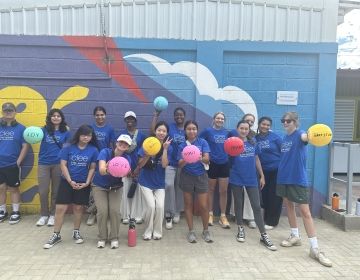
286, 146
50, 139
79, 160
7, 135
219, 138
249, 151
178, 138
264, 144
100, 135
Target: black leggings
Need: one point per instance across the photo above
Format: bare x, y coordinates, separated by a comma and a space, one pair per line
254, 197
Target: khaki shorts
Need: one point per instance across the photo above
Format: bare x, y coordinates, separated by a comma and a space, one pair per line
294, 193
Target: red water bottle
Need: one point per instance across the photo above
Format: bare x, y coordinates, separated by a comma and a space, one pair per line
132, 233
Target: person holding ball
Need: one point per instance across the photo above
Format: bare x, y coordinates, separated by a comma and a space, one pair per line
293, 186
13, 150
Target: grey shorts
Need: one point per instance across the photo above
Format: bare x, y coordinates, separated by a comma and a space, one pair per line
193, 184
294, 193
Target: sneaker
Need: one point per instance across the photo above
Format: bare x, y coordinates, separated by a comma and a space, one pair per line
191, 237
240, 237
101, 244
320, 257
251, 224
14, 218
157, 237
125, 221
267, 227
51, 221
265, 240
168, 223
3, 216
91, 220
114, 244
146, 238
54, 239
42, 221
292, 240
207, 236
138, 221
224, 223
211, 220
77, 237
176, 218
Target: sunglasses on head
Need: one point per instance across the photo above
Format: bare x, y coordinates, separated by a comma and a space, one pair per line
286, 121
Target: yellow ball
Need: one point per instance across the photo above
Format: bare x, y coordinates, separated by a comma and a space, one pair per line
151, 146
319, 135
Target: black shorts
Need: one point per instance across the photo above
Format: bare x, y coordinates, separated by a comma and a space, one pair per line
10, 175
218, 170
67, 195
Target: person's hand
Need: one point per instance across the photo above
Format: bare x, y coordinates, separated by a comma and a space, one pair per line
82, 185
73, 184
167, 143
262, 182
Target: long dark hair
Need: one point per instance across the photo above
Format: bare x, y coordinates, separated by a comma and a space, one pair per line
187, 123
99, 108
264, 118
160, 123
249, 136
85, 130
49, 126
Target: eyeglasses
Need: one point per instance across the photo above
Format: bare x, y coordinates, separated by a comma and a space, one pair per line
286, 121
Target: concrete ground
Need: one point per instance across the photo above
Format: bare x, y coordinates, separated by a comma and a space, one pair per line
23, 257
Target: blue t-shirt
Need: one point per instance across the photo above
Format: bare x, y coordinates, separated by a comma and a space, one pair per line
106, 181
197, 168
243, 167
216, 139
79, 160
270, 146
134, 154
153, 178
105, 135
178, 136
292, 166
49, 150
11, 141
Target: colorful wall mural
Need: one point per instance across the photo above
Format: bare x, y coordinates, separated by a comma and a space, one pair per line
78, 73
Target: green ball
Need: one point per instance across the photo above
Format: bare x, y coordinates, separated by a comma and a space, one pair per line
33, 134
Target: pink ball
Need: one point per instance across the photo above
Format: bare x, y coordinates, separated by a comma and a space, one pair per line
191, 154
118, 167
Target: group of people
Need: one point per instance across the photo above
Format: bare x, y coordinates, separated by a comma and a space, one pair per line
269, 172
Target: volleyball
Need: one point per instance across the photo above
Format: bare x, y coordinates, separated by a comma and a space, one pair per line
33, 134
319, 135
160, 103
233, 146
118, 167
191, 154
151, 146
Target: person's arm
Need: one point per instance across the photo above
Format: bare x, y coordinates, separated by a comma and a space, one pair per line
103, 167
24, 150
89, 176
66, 174
164, 157
154, 121
205, 158
142, 161
260, 171
304, 137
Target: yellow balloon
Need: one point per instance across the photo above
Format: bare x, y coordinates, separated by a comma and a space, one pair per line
151, 146
319, 135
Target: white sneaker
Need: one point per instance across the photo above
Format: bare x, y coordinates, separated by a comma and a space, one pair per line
125, 221
251, 224
320, 257
267, 227
168, 223
101, 244
114, 244
42, 221
91, 220
51, 221
176, 219
138, 221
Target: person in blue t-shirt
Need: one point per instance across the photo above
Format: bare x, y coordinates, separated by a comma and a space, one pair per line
105, 136
56, 134
13, 150
270, 145
174, 202
293, 186
244, 172
78, 163
194, 180
107, 192
131, 205
219, 166
152, 182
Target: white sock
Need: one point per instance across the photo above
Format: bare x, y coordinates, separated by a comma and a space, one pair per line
295, 232
3, 208
16, 207
314, 242
211, 213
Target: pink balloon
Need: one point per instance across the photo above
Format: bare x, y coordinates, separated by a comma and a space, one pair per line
191, 154
118, 167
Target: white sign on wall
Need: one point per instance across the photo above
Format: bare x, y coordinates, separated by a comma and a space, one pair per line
287, 98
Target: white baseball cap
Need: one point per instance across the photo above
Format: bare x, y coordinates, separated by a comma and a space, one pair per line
125, 138
130, 114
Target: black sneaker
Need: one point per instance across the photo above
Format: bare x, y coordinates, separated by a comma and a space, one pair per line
14, 218
241, 234
265, 240
54, 239
3, 216
77, 237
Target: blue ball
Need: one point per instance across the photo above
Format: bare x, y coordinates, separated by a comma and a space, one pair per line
161, 103
33, 134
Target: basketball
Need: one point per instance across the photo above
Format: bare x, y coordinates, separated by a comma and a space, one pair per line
118, 167
33, 134
151, 146
191, 154
233, 146
319, 135
160, 103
